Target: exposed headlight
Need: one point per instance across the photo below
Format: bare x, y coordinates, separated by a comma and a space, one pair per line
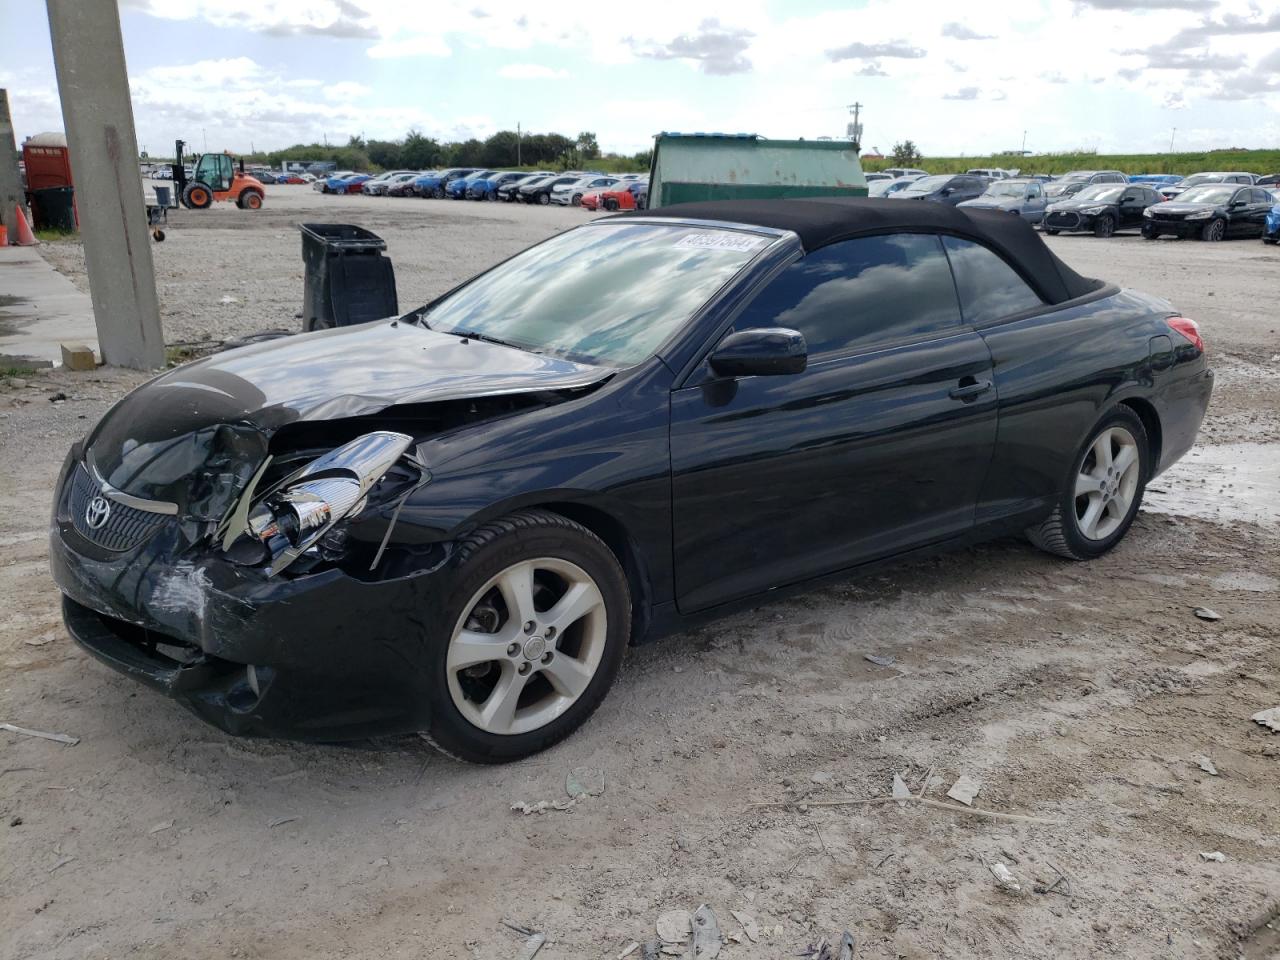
1147, 213
293, 517
1092, 211
1200, 215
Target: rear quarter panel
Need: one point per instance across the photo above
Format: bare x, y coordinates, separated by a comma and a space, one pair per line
1058, 372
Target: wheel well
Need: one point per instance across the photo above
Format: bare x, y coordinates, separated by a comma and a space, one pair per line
615, 536
1151, 423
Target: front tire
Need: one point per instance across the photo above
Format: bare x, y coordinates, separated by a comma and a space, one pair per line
1051, 231
1214, 230
1102, 493
544, 199
533, 638
197, 196
1104, 226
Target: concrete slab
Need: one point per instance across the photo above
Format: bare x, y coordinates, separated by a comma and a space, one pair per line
40, 309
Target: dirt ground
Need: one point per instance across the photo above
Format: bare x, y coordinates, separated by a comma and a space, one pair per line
1086, 696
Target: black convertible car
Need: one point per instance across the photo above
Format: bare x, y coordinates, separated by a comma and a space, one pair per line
455, 522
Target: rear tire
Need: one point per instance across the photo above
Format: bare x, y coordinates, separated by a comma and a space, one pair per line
530, 564
249, 200
1102, 493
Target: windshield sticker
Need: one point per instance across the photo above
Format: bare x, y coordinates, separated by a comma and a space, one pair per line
722, 241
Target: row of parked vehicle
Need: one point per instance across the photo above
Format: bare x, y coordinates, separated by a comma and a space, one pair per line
628, 191
1208, 206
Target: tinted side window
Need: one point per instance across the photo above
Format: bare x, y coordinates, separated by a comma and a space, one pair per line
857, 293
1261, 196
989, 287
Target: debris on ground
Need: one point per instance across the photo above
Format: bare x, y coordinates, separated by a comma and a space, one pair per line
1204, 613
750, 928
900, 789
584, 782
650, 950
880, 661
62, 862
631, 948
542, 806
1268, 718
964, 789
823, 777
848, 946
163, 825
674, 926
281, 821
1207, 766
707, 940
56, 737
1005, 879
1216, 857
531, 946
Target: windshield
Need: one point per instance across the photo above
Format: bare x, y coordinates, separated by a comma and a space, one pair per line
1101, 191
929, 184
1077, 175
1206, 194
1197, 178
604, 294
1007, 189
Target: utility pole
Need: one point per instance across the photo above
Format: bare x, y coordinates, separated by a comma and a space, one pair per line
1171, 136
93, 84
10, 180
1024, 143
854, 130
518, 139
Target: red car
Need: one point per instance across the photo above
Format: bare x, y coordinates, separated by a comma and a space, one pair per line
628, 195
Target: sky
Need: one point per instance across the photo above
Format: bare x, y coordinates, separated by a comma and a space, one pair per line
1116, 76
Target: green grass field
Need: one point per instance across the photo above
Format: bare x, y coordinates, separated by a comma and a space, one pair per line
1250, 161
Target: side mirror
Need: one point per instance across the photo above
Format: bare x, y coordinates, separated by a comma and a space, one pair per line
760, 352
947, 191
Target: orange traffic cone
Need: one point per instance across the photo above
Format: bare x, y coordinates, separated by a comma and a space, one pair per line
4, 235
25, 237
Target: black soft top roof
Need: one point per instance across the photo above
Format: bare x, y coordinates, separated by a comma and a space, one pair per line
819, 221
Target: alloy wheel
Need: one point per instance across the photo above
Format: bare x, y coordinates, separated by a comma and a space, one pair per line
527, 646
1107, 483
1217, 230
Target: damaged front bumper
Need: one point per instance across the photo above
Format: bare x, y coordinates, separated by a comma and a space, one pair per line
322, 656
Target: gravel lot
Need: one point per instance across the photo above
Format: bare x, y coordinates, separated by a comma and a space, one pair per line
1085, 695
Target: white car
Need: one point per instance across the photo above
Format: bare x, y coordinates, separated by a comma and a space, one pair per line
570, 194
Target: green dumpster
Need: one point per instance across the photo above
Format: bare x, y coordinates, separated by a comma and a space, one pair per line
53, 208
689, 167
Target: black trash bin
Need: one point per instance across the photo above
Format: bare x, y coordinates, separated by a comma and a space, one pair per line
53, 208
348, 280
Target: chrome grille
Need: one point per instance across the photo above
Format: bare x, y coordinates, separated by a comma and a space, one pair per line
125, 526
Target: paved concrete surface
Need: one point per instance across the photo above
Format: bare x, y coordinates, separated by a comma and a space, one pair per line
40, 309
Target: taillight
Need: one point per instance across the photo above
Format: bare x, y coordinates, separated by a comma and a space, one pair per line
1189, 329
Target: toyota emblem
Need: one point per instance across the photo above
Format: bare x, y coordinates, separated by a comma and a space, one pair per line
96, 513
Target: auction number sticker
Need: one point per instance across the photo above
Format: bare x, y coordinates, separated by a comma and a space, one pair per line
721, 240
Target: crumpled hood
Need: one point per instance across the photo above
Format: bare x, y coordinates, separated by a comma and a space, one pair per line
194, 435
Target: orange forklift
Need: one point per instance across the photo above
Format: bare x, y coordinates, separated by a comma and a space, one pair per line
215, 177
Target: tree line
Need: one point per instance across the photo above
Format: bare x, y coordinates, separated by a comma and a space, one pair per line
416, 151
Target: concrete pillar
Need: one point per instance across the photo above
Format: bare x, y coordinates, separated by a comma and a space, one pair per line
10, 180
88, 53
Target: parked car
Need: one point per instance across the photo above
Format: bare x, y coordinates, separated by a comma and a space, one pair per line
991, 173
546, 465
882, 188
486, 188
345, 184
1024, 198
1094, 176
1063, 189
1271, 226
1102, 208
383, 187
1169, 191
1271, 181
294, 178
322, 183
377, 185
896, 172
1155, 179
570, 194
873, 177
943, 188
540, 191
510, 191
405, 187
624, 195
1211, 211
456, 189
308, 177
435, 184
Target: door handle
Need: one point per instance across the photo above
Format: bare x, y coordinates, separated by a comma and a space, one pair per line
970, 389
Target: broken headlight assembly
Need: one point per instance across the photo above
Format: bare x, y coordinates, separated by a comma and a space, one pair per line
301, 512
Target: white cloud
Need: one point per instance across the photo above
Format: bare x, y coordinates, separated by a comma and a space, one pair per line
531, 71
420, 45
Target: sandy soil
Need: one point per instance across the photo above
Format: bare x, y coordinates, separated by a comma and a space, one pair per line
1082, 694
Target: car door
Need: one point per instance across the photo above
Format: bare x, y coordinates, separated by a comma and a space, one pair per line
1033, 206
1239, 211
1133, 200
880, 445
